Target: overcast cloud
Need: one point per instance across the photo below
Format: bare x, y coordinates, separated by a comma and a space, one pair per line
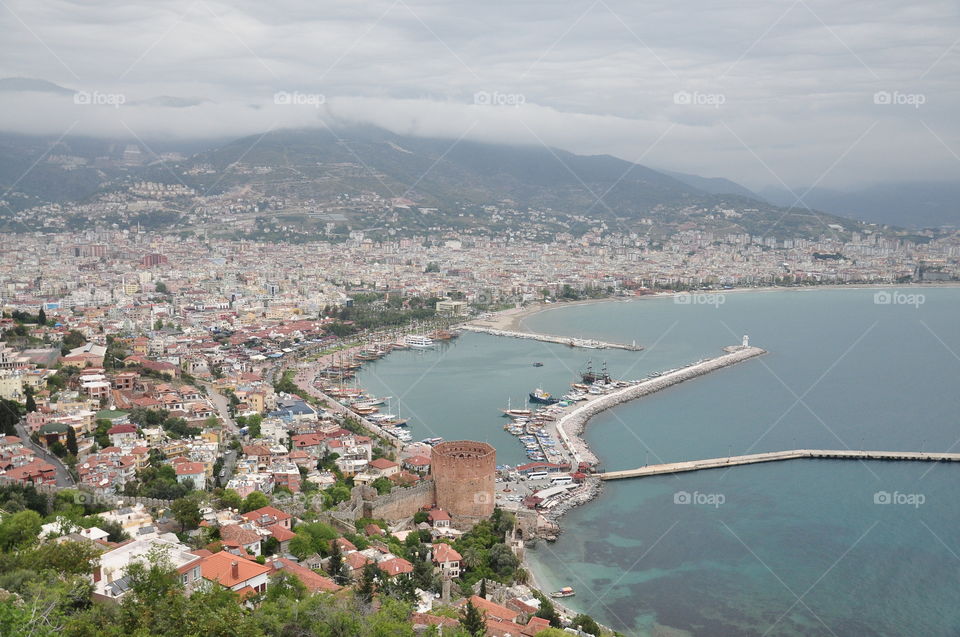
763, 92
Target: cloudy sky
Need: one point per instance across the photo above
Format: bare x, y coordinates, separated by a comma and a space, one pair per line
765, 92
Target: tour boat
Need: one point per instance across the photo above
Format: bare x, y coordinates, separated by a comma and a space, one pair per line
418, 341
566, 591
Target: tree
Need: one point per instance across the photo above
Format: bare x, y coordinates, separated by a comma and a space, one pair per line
548, 612
230, 499
20, 529
503, 560
71, 441
483, 588
286, 585
587, 624
368, 583
253, 425
256, 500
74, 339
31, 404
336, 567
161, 287
186, 511
271, 546
41, 317
10, 414
301, 546
382, 485
401, 587
423, 574
58, 449
472, 620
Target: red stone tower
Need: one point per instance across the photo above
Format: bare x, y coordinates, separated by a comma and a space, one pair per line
463, 473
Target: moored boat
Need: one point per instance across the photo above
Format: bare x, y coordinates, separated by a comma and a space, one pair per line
541, 397
418, 341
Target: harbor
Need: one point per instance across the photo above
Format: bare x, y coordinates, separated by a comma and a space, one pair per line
331, 378
562, 469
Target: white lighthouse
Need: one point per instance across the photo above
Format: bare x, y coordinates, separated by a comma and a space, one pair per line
746, 341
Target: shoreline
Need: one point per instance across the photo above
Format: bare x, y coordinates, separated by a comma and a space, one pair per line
511, 320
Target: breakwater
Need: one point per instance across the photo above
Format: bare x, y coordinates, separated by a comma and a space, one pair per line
774, 456
571, 425
547, 338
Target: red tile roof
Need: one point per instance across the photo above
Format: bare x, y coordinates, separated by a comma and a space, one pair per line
491, 609
189, 468
395, 566
313, 581
219, 567
281, 534
445, 553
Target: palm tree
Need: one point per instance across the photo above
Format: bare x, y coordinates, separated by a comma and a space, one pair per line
472, 557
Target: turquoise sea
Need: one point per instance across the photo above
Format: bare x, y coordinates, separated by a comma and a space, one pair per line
793, 548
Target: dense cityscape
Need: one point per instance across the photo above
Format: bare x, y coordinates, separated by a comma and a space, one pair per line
418, 319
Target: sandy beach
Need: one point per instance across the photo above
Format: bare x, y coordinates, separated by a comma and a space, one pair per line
512, 320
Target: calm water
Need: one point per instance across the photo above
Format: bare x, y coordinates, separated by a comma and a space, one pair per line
793, 548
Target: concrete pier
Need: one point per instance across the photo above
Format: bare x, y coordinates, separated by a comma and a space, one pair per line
774, 456
547, 338
571, 425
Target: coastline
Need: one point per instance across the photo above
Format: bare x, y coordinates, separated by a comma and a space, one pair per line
512, 320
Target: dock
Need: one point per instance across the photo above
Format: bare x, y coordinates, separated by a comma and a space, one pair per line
775, 456
547, 338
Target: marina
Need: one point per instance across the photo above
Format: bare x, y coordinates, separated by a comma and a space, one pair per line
551, 433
